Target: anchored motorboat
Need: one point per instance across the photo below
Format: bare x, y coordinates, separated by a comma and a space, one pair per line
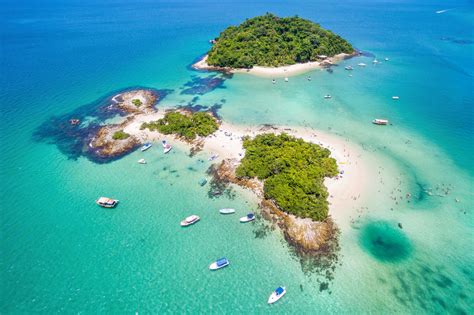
146, 146
166, 146
218, 264
190, 220
106, 202
249, 217
276, 295
380, 121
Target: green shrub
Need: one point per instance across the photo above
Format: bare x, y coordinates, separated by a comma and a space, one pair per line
293, 172
186, 126
120, 135
136, 102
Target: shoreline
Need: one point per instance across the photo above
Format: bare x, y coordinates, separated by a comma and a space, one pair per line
277, 72
225, 149
226, 142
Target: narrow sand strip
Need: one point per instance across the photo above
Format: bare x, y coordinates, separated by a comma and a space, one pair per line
226, 142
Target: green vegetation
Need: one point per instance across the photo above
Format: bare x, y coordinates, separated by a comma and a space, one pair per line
272, 41
136, 102
184, 125
293, 172
120, 135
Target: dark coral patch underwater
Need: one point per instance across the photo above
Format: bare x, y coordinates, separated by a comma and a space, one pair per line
202, 85
385, 241
73, 139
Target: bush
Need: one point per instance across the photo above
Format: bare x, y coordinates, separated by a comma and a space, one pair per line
136, 102
293, 172
120, 135
272, 41
184, 125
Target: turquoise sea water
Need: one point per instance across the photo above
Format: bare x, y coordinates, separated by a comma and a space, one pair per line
61, 253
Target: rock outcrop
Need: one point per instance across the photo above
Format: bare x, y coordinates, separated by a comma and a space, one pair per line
132, 103
306, 235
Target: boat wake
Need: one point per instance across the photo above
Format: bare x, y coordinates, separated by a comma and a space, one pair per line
442, 11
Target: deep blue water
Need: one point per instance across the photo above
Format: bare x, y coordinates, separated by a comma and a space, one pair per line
56, 56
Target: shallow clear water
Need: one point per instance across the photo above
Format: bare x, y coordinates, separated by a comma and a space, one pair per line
61, 252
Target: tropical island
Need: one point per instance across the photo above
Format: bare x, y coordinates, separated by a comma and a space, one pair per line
292, 170
269, 44
286, 168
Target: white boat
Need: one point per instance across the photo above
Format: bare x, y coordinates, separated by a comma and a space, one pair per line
327, 96
249, 217
190, 220
286, 79
380, 121
146, 146
166, 146
395, 97
106, 202
276, 295
227, 211
309, 78
142, 161
375, 61
361, 64
218, 264
386, 59
349, 68
274, 81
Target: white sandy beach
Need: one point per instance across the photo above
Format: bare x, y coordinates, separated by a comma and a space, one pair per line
345, 190
277, 72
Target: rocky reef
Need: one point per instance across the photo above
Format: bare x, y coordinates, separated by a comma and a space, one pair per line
132, 103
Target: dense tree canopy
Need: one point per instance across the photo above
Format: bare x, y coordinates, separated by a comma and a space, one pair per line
187, 126
272, 41
293, 172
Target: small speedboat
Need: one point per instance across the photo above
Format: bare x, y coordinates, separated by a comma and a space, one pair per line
276, 295
190, 220
395, 97
380, 121
309, 78
349, 68
361, 64
249, 217
386, 59
146, 146
375, 61
227, 211
106, 202
166, 146
202, 182
142, 161
274, 81
327, 96
286, 79
218, 264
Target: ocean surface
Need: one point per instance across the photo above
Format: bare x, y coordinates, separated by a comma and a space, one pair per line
59, 252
